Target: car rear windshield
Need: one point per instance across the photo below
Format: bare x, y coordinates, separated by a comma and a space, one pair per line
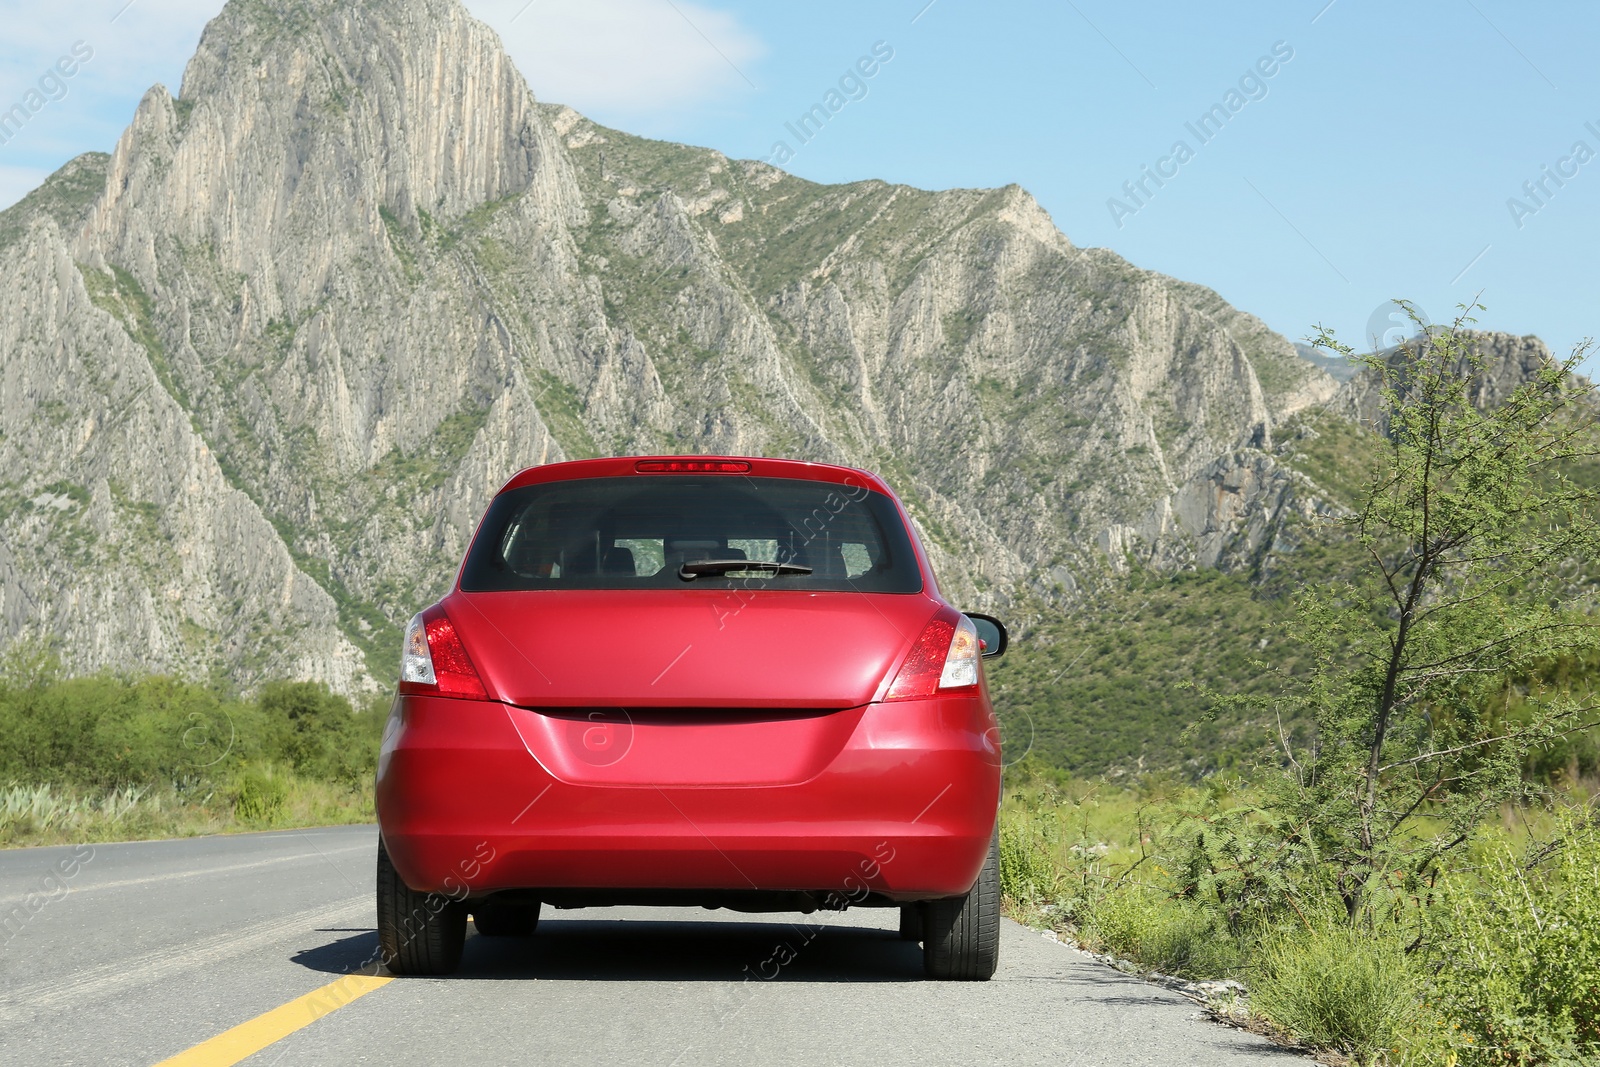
633, 533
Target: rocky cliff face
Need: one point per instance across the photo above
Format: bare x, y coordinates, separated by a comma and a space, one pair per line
123, 536
1507, 362
263, 367
1252, 505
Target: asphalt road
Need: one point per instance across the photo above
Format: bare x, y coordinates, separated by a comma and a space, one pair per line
134, 953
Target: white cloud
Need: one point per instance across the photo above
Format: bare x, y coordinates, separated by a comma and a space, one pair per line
627, 56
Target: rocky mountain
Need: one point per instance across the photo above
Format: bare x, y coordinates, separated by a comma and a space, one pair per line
1338, 367
1506, 362
261, 368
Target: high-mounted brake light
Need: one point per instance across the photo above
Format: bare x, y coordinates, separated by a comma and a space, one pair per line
434, 661
692, 466
944, 657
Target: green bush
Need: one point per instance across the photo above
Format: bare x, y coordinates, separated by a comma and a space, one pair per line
1029, 874
1517, 954
318, 734
104, 757
1337, 987
259, 794
103, 732
99, 731
1504, 967
1162, 934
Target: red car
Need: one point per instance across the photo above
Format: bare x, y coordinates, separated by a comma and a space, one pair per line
717, 682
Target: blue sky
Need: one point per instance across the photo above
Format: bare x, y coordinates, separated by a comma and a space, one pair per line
1377, 160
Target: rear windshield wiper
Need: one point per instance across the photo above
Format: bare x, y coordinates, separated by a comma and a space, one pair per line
695, 568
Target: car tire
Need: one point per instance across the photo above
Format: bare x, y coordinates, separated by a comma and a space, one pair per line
505, 920
418, 933
961, 935
911, 922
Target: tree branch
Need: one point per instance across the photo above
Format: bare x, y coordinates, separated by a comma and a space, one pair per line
1469, 746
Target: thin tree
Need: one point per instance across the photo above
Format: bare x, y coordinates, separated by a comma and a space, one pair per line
1481, 548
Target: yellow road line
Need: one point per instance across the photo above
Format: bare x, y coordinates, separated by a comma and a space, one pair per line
247, 1039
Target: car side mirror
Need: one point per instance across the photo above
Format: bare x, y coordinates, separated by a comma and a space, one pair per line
992, 632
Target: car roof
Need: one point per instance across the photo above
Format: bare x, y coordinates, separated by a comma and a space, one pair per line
758, 467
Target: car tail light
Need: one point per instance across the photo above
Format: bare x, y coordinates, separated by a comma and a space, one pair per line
944, 657
434, 661
692, 466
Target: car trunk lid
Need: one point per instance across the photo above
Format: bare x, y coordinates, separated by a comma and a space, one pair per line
689, 648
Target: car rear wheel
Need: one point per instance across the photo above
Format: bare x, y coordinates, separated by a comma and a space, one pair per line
911, 922
419, 933
505, 920
961, 935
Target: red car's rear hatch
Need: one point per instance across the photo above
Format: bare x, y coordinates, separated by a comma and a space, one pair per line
688, 648
686, 687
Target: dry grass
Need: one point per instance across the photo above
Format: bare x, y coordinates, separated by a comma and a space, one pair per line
53, 815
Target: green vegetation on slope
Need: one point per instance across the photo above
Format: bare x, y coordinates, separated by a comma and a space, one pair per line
1127, 681
1123, 685
119, 294
1335, 453
790, 226
400, 485
66, 197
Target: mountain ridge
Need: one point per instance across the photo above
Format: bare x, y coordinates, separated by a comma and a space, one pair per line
355, 276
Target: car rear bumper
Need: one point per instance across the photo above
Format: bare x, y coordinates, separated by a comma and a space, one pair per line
897, 800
